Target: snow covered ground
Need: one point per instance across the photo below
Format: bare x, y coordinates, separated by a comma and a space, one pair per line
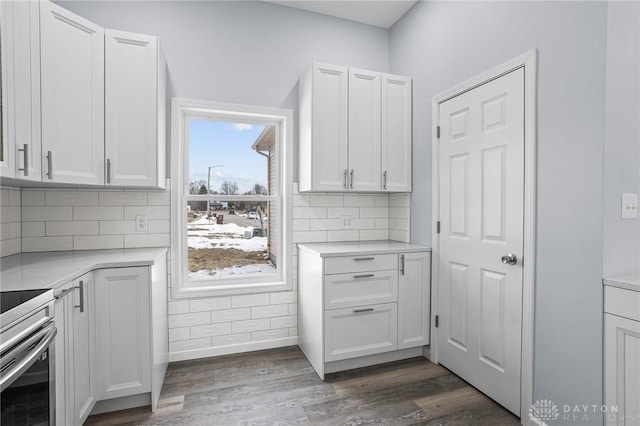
203, 233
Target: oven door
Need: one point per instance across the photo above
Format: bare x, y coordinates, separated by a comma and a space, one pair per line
27, 380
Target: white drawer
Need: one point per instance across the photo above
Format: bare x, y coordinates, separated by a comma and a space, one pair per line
621, 302
363, 263
360, 288
355, 332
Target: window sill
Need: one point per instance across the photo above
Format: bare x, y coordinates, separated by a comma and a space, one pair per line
187, 292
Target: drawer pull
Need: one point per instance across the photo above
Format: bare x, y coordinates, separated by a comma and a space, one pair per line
364, 276
357, 311
357, 259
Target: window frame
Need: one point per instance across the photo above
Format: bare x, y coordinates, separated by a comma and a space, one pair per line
184, 110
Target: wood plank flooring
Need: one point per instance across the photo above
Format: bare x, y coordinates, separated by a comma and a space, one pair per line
279, 387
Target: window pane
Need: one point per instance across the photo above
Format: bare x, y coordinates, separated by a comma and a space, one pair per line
230, 239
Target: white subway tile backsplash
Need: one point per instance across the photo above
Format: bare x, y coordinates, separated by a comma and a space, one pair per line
249, 326
402, 236
270, 334
374, 234
325, 224
338, 212
310, 237
231, 339
117, 227
283, 297
177, 334
301, 224
11, 246
147, 240
187, 345
284, 322
70, 198
189, 320
359, 200
159, 226
210, 304
230, 315
178, 307
9, 214
382, 223
210, 330
32, 197
34, 244
15, 197
399, 224
269, 311
369, 223
374, 212
33, 229
326, 200
310, 212
123, 198
62, 228
152, 212
97, 213
381, 201
159, 198
347, 235
248, 300
95, 242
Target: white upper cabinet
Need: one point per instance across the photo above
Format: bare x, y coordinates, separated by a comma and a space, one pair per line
20, 153
364, 130
396, 133
354, 126
323, 122
72, 76
135, 110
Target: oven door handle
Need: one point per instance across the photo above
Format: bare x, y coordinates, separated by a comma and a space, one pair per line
19, 366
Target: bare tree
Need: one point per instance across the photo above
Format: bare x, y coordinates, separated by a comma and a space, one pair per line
195, 186
259, 189
229, 188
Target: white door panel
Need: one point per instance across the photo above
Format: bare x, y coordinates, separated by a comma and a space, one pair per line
481, 157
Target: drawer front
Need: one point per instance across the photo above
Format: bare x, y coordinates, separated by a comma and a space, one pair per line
355, 332
363, 263
621, 302
356, 289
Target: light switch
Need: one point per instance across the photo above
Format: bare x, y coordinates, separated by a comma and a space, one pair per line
629, 206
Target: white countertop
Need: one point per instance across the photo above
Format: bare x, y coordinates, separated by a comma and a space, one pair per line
629, 282
52, 269
354, 248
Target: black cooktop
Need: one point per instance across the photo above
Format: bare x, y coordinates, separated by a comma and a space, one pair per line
11, 299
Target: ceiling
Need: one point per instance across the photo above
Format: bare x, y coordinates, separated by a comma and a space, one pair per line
381, 13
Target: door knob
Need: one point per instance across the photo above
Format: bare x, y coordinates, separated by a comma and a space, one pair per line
510, 259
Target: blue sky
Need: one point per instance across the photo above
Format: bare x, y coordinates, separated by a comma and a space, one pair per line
228, 144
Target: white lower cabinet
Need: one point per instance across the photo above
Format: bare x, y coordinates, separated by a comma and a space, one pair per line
622, 357
112, 345
123, 348
362, 308
75, 355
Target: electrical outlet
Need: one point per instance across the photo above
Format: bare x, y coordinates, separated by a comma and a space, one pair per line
141, 224
347, 222
629, 206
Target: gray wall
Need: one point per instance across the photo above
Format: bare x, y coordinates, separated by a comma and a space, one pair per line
244, 52
442, 44
621, 253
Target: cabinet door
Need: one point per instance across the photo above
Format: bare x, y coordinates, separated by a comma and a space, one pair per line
414, 299
63, 357
359, 331
396, 133
131, 108
364, 130
72, 63
329, 127
21, 142
622, 369
123, 330
83, 348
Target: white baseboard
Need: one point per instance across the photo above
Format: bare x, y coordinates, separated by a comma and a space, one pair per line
232, 349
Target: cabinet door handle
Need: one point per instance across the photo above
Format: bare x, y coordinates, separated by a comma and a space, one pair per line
363, 258
64, 292
357, 311
384, 180
351, 178
346, 179
364, 276
49, 165
25, 152
108, 170
81, 288
402, 264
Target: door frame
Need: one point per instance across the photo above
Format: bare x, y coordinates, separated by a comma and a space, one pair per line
528, 61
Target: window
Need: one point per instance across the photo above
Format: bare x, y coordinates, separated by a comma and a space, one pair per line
231, 180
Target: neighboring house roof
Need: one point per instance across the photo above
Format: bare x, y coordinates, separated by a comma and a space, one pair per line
266, 140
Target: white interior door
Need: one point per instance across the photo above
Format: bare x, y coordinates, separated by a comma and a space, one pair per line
481, 174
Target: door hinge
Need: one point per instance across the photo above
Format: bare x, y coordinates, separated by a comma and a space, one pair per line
438, 132
437, 320
438, 227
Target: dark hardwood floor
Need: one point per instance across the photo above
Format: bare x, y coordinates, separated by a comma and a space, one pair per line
279, 387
